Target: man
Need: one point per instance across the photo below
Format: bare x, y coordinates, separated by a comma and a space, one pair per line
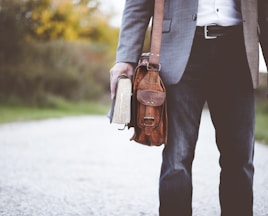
209, 53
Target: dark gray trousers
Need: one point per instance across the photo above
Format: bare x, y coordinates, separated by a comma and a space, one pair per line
217, 73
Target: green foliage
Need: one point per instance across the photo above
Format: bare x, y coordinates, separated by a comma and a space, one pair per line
52, 19
54, 48
262, 110
262, 94
45, 20
262, 119
262, 127
74, 70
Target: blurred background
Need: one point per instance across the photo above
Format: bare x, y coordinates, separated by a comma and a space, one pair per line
56, 54
53, 50
55, 57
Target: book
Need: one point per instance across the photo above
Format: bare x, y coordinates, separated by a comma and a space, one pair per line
120, 110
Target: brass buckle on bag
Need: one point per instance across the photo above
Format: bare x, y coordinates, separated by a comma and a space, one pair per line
153, 67
151, 119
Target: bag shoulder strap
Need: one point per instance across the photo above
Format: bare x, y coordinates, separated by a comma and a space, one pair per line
156, 32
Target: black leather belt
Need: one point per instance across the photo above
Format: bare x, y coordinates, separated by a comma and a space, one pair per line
215, 31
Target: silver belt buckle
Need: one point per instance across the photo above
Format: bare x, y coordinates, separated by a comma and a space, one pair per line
206, 33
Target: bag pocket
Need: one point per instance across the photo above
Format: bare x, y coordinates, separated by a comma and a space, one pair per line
150, 108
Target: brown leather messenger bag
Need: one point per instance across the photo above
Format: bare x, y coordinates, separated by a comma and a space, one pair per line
149, 108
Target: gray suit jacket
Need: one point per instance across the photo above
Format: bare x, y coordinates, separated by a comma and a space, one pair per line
178, 32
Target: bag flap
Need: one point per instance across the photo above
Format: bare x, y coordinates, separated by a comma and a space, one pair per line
151, 98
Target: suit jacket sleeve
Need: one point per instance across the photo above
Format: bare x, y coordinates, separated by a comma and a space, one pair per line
263, 23
135, 20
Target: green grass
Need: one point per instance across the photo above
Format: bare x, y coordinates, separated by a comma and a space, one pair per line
262, 127
9, 113
262, 116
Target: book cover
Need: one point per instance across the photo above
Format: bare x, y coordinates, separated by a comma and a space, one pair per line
120, 110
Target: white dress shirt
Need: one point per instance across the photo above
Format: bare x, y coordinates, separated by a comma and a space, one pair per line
220, 12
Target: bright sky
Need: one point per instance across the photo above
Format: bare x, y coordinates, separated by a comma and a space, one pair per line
116, 6
262, 63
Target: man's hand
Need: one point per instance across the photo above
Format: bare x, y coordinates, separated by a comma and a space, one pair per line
121, 68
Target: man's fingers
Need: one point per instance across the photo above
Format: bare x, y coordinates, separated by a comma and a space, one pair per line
117, 70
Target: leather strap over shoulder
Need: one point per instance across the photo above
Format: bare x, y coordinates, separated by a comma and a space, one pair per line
156, 37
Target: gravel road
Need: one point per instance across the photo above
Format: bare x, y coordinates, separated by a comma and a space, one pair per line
83, 166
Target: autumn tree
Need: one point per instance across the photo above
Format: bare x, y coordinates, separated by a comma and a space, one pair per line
60, 48
45, 20
58, 19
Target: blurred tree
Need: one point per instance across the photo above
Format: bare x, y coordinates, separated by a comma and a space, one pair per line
35, 58
59, 19
45, 20
11, 30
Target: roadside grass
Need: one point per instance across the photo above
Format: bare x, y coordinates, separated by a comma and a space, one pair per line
13, 113
10, 113
261, 132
